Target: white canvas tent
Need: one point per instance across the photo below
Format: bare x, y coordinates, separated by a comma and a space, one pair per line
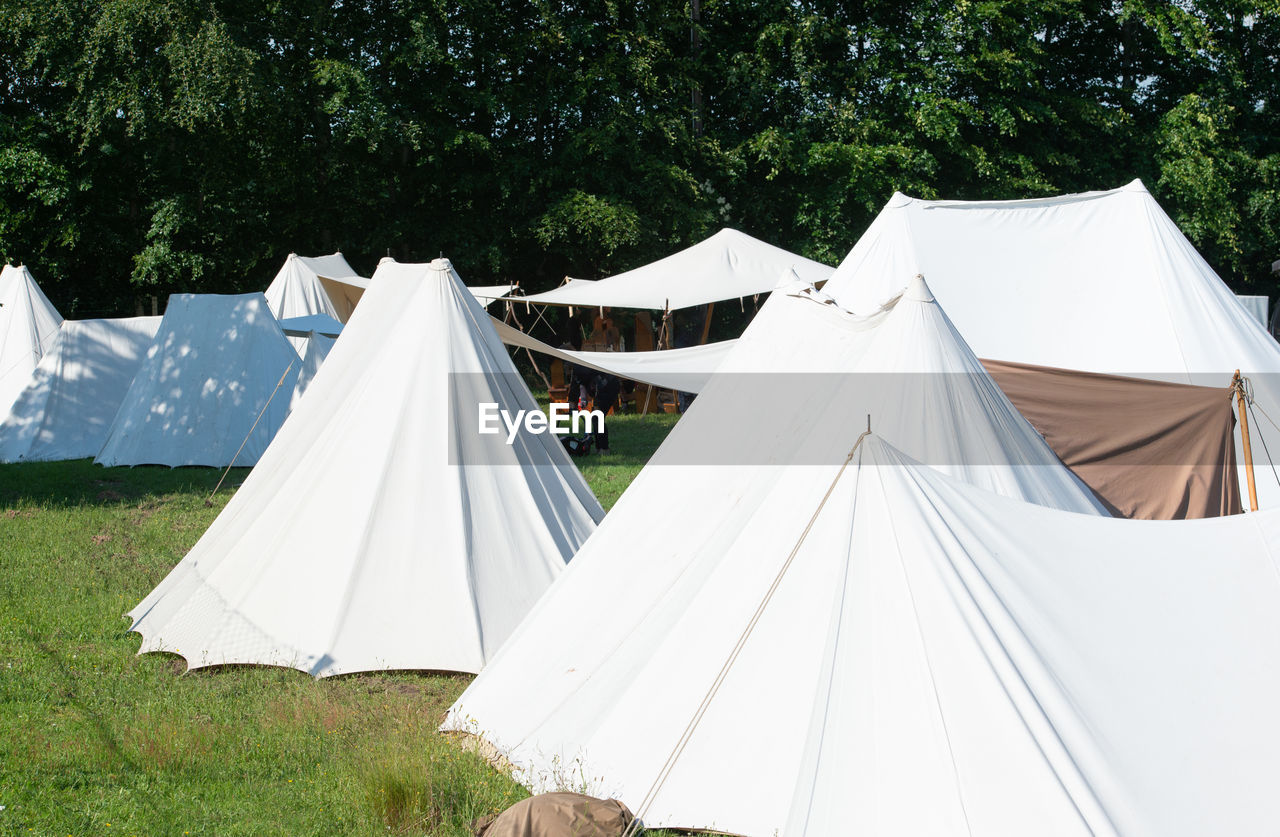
28, 326
73, 395
218, 375
886, 650
728, 265
377, 532
315, 285
1098, 282
733, 485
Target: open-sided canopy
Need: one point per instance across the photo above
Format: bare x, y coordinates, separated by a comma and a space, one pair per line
71, 399
728, 265
217, 376
1098, 282
28, 326
377, 533
886, 650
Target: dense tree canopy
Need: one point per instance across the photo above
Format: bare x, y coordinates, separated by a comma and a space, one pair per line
148, 146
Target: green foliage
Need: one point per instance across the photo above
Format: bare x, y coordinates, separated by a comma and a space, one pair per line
161, 145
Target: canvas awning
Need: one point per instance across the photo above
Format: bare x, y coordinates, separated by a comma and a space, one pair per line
728, 265
686, 370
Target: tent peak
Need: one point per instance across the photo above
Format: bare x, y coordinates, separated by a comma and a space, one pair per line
441, 264
918, 289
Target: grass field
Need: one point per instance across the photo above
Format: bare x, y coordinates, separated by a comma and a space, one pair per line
97, 740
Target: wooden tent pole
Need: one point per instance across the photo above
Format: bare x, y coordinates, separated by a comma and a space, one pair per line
1238, 385
706, 325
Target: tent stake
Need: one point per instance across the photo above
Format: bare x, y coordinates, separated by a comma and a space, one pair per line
1238, 385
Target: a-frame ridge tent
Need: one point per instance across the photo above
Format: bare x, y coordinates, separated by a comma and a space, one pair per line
380, 531
731, 488
73, 395
308, 285
882, 649
28, 326
1096, 282
213, 390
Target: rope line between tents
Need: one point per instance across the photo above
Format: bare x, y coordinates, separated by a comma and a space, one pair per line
669, 765
209, 500
1246, 387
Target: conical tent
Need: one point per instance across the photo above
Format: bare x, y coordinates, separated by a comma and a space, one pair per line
213, 390
28, 326
315, 285
882, 649
1098, 282
727, 265
377, 532
665, 579
71, 399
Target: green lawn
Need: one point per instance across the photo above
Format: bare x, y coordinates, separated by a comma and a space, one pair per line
97, 740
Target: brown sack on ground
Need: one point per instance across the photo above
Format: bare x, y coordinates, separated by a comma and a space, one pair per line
557, 815
1148, 449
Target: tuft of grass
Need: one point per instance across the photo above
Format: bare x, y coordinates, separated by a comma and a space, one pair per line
95, 739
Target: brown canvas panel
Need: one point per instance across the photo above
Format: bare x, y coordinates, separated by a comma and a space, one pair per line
1148, 449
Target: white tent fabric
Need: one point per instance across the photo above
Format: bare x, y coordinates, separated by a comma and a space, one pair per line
485, 294
315, 285
376, 533
28, 326
1258, 306
934, 659
217, 363
1099, 282
663, 580
305, 326
72, 397
728, 265
687, 370
313, 357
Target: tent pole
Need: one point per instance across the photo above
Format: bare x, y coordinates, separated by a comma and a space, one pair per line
706, 325
1238, 385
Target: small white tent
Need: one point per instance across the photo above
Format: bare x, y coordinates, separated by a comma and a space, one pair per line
881, 649
71, 399
380, 531
728, 265
1098, 282
315, 285
218, 375
28, 326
